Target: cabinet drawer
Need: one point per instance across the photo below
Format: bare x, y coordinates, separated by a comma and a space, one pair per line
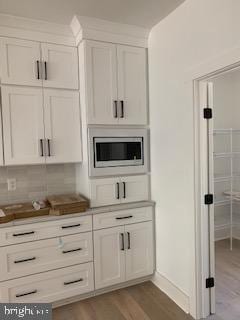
29, 258
44, 230
49, 286
123, 217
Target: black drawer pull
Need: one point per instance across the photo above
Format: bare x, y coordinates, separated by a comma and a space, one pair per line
126, 217
74, 281
25, 260
23, 234
71, 226
25, 294
73, 250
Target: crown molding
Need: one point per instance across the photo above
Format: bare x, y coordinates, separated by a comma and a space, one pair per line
103, 30
29, 29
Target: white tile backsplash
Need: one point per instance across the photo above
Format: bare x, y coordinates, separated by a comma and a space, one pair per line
36, 182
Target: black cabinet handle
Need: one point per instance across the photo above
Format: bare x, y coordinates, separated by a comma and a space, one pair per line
23, 234
122, 241
72, 226
125, 217
25, 260
118, 191
115, 108
45, 70
38, 70
71, 282
41, 147
73, 250
25, 294
122, 109
49, 147
124, 190
129, 240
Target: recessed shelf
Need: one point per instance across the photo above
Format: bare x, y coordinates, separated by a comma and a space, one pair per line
225, 131
226, 154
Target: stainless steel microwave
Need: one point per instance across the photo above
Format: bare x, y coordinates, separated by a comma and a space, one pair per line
118, 151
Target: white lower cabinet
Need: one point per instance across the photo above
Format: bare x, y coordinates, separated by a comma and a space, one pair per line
108, 191
55, 260
33, 257
49, 286
123, 253
109, 257
139, 251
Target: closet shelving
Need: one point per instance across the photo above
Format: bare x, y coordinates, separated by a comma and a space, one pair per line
227, 147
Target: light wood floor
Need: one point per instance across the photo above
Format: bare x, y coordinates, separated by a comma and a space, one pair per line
141, 302
228, 280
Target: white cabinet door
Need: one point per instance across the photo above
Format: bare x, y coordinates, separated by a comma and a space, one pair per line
19, 59
139, 250
104, 192
132, 81
101, 82
134, 188
109, 257
23, 129
62, 126
60, 66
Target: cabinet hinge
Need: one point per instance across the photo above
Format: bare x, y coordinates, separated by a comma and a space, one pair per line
208, 199
207, 113
210, 283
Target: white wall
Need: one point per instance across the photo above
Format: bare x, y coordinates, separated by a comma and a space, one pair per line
195, 33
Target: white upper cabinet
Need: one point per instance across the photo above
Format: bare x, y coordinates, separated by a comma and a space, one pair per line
132, 85
40, 127
59, 66
134, 188
116, 81
62, 126
108, 191
23, 128
101, 78
38, 64
104, 191
20, 62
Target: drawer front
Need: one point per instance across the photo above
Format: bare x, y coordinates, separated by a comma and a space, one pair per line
29, 258
44, 230
49, 286
123, 217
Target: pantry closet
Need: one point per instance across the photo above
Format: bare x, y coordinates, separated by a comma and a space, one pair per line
225, 149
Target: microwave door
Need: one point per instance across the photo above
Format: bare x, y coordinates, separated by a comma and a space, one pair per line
118, 152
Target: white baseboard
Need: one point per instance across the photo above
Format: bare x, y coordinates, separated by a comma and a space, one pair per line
173, 292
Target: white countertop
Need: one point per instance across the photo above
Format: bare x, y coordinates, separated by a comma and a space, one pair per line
90, 211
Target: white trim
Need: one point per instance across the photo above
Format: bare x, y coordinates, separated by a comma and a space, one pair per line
222, 63
172, 291
108, 31
29, 29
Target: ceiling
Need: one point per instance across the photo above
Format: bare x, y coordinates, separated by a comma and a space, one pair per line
145, 13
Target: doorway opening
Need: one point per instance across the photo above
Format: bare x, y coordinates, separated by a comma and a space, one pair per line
220, 99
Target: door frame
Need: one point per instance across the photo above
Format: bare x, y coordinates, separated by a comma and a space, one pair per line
201, 301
